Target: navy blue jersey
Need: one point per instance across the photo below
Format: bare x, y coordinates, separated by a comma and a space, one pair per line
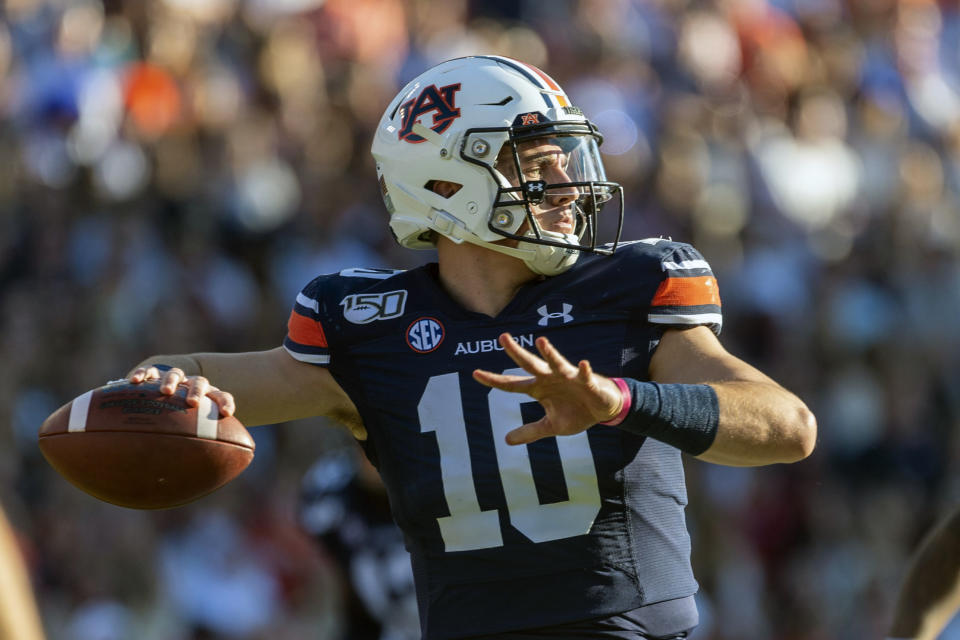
501, 537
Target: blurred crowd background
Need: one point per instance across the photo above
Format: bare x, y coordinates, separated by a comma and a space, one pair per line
174, 171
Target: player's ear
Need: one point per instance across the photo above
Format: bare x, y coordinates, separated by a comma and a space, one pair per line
444, 187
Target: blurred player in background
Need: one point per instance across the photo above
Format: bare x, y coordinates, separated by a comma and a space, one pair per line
514, 533
19, 619
930, 594
344, 506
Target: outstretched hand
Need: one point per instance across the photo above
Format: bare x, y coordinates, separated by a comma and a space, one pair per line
573, 397
197, 386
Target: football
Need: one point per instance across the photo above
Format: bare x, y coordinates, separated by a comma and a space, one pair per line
361, 313
131, 445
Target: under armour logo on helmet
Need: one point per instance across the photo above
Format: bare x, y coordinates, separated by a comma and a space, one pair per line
547, 316
535, 190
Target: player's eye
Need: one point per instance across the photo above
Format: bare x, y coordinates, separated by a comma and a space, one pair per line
540, 165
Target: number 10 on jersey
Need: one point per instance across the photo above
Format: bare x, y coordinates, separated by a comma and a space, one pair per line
468, 527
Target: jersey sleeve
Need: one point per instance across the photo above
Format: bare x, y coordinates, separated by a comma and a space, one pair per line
688, 294
306, 340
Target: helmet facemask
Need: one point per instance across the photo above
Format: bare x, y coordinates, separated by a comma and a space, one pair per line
552, 187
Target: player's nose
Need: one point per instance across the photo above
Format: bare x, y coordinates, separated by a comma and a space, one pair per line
561, 196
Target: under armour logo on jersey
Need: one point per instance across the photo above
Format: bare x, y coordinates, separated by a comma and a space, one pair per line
439, 101
546, 316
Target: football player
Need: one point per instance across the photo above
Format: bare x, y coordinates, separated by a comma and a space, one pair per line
526, 398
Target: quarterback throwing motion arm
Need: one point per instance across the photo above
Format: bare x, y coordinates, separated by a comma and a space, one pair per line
267, 386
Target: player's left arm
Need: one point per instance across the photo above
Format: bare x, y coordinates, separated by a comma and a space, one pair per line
701, 400
759, 421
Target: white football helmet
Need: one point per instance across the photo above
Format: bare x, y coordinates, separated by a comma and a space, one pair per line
467, 121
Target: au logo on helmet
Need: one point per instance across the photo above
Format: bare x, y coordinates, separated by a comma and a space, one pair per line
526, 119
440, 102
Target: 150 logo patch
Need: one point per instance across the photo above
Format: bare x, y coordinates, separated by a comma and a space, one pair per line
363, 308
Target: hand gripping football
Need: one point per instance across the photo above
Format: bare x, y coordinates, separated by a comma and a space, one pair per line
133, 446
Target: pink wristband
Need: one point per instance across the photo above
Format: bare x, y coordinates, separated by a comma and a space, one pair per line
626, 403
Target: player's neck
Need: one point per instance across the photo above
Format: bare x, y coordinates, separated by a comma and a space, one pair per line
479, 279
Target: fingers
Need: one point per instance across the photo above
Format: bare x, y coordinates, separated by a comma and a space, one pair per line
552, 362
530, 432
197, 387
169, 379
584, 372
558, 364
224, 401
140, 374
567, 393
555, 363
501, 381
528, 361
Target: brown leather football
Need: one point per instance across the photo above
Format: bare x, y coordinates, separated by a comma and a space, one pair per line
130, 445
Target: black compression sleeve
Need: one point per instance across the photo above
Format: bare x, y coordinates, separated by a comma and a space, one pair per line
685, 416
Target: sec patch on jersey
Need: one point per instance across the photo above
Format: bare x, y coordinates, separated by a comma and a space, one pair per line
131, 445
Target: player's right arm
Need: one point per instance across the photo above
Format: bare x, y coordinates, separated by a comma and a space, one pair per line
259, 387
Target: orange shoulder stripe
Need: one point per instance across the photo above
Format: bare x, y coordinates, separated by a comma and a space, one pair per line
306, 330
687, 292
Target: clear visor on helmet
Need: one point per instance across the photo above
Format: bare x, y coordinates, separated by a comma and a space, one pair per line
561, 162
560, 182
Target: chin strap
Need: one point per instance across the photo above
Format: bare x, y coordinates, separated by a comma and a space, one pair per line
550, 261
542, 259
